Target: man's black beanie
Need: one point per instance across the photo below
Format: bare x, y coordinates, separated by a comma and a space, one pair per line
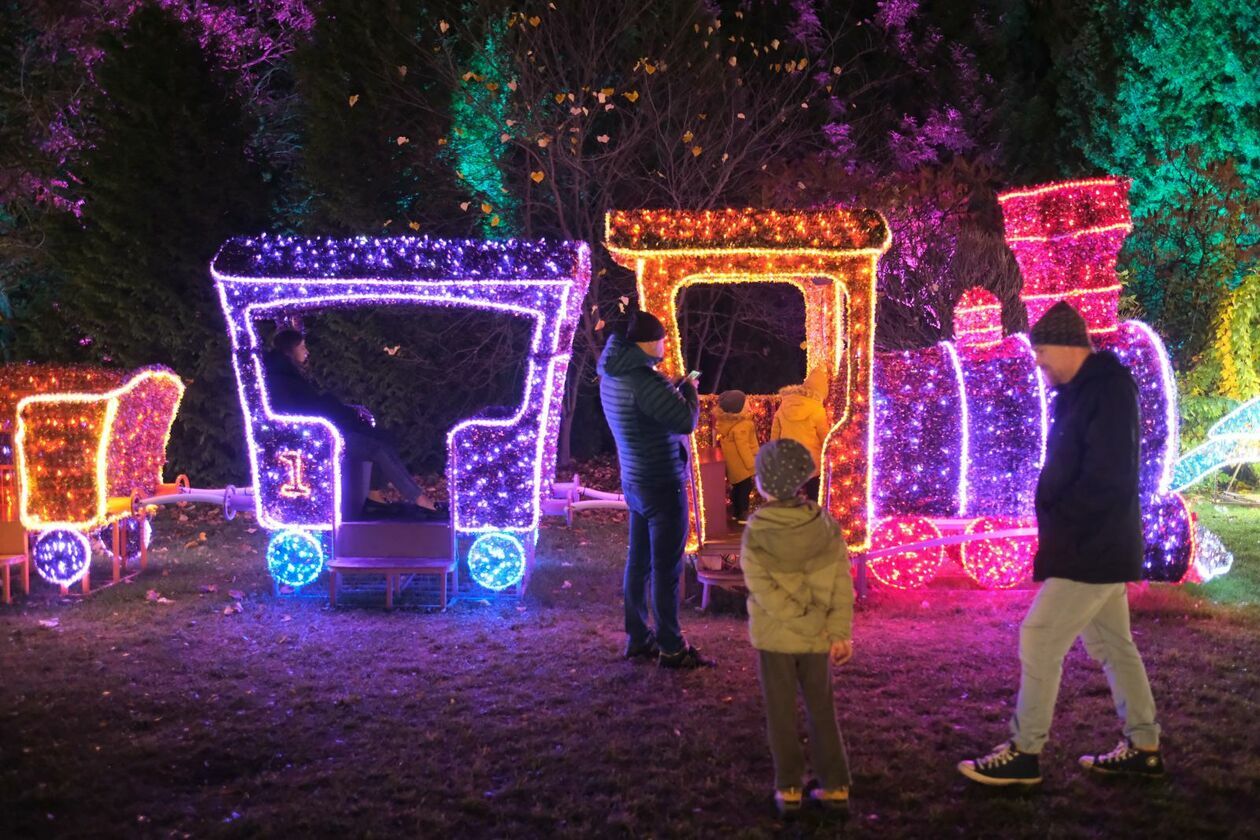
644, 326
1061, 325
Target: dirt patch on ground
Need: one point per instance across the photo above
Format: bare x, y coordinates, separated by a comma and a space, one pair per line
131, 716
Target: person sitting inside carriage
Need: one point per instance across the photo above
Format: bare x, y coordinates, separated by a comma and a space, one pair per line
291, 391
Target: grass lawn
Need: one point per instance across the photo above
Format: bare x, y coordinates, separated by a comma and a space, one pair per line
131, 717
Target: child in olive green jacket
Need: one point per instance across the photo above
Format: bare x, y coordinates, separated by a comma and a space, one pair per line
800, 616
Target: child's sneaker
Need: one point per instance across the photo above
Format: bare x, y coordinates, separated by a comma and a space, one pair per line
1004, 766
788, 800
836, 799
1126, 760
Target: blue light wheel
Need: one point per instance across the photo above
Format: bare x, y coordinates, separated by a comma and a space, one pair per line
496, 560
294, 558
62, 557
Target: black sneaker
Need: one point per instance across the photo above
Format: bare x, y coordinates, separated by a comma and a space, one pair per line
646, 649
1126, 760
1004, 766
688, 658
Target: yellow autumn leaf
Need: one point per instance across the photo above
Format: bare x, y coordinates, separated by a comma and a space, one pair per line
485, 208
492, 86
687, 137
441, 141
559, 98
696, 150
354, 100
650, 68
414, 225
537, 176
632, 95
535, 20
494, 221
607, 91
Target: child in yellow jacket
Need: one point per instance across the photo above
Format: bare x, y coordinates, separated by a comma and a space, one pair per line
802, 417
737, 436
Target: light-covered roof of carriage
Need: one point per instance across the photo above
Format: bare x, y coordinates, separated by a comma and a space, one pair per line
664, 231
268, 257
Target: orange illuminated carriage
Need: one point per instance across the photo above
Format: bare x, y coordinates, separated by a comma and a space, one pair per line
81, 445
830, 257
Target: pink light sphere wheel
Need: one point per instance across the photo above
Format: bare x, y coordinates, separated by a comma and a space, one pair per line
999, 563
913, 568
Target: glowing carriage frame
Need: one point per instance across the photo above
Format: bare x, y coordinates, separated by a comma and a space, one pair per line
496, 465
1065, 236
88, 444
830, 257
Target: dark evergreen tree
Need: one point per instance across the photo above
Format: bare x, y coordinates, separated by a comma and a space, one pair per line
166, 180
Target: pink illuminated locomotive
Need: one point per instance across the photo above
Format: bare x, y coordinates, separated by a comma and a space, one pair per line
961, 427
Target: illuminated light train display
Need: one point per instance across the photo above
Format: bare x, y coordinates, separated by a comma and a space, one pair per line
937, 450
932, 452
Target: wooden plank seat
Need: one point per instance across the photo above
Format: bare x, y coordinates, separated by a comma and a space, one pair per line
395, 569
397, 550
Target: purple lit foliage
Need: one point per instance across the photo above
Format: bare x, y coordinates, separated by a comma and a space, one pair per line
246, 41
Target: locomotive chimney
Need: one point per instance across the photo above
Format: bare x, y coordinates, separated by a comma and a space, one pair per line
1066, 237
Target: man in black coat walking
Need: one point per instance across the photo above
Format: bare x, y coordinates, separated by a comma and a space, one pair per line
1090, 544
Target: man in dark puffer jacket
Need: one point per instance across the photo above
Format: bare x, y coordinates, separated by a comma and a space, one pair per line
1090, 544
650, 418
